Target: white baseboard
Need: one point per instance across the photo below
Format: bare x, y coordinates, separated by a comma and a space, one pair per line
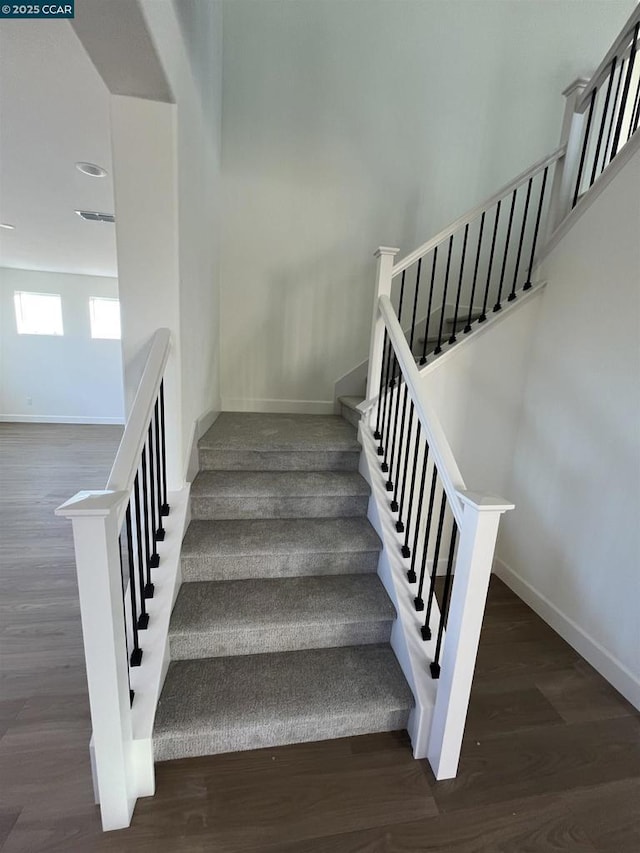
294, 407
609, 667
58, 419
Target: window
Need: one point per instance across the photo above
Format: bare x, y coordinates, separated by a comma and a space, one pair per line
38, 313
105, 317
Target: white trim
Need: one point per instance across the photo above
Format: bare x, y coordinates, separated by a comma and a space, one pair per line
473, 214
615, 672
58, 419
412, 652
147, 680
200, 426
621, 41
294, 407
479, 328
625, 154
441, 452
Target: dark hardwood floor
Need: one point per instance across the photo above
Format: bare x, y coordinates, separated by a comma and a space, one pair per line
551, 759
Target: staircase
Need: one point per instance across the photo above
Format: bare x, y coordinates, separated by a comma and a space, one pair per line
280, 632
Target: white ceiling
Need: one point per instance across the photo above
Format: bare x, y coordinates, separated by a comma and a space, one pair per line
54, 111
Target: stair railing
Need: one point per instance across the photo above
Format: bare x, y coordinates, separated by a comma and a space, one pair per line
469, 269
608, 107
116, 535
443, 529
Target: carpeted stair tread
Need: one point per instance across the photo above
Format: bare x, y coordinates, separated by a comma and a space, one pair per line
351, 402
255, 431
233, 549
225, 704
256, 616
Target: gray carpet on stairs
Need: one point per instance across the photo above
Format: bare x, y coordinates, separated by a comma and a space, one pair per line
278, 494
280, 630
260, 548
234, 703
282, 614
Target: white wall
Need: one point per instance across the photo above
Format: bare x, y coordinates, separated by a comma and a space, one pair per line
70, 378
347, 125
188, 37
575, 537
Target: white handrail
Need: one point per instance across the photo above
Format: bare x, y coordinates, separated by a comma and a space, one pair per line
441, 452
473, 214
602, 70
134, 437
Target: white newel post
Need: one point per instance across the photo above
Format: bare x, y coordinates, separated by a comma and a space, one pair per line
566, 171
478, 533
385, 256
94, 516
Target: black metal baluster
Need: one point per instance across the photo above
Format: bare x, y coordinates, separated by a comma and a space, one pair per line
452, 339
585, 145
438, 349
418, 601
411, 574
155, 558
446, 595
613, 116
399, 523
426, 630
512, 295
143, 621
415, 306
124, 614
136, 654
406, 551
603, 121
164, 509
535, 233
467, 328
385, 344
498, 306
483, 316
625, 93
392, 384
384, 465
148, 588
423, 359
383, 403
160, 532
393, 455
635, 115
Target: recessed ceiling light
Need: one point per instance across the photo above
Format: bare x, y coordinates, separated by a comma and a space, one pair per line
91, 169
7, 226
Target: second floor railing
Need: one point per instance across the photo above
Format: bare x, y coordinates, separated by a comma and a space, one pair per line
609, 106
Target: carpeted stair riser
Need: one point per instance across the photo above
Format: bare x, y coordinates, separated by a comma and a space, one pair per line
289, 460
263, 548
258, 507
228, 704
260, 616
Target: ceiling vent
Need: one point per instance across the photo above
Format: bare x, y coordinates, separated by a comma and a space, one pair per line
94, 216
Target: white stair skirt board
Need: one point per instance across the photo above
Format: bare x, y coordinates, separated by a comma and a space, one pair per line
480, 328
412, 652
609, 667
147, 680
293, 407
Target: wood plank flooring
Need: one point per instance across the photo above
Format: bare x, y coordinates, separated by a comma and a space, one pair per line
551, 759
